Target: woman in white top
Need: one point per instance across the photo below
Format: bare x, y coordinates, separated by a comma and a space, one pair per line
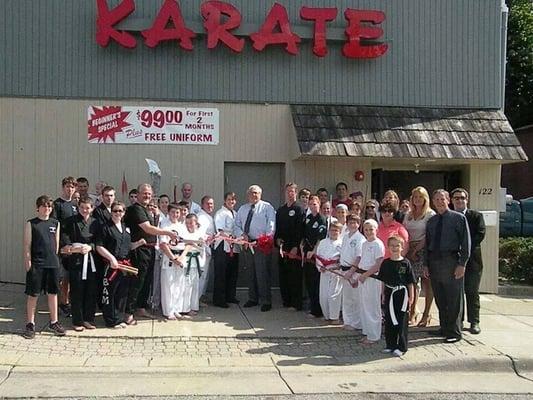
415, 222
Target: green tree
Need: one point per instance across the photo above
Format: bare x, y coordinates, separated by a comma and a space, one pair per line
519, 79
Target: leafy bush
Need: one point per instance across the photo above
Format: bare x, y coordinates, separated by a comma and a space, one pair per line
516, 259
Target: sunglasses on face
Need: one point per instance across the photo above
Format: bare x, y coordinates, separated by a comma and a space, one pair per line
117, 211
370, 207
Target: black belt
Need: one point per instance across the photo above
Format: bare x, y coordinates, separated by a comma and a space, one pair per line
345, 268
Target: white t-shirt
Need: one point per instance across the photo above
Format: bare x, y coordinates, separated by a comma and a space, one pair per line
370, 252
417, 228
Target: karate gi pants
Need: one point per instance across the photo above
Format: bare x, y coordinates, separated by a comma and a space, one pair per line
82, 295
258, 267
143, 259
226, 273
171, 291
396, 335
330, 295
290, 282
370, 303
114, 297
189, 295
449, 293
351, 313
155, 298
312, 284
204, 279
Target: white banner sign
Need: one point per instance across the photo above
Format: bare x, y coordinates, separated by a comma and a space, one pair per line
152, 125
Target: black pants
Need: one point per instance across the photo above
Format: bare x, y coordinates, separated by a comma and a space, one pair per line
312, 284
82, 295
100, 272
473, 272
396, 335
115, 286
449, 294
226, 274
142, 258
290, 282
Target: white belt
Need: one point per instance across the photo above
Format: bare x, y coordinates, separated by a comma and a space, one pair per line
391, 301
86, 258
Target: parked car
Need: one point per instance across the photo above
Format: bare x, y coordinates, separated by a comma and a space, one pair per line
517, 220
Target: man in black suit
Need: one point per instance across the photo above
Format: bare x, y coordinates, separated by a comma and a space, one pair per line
474, 267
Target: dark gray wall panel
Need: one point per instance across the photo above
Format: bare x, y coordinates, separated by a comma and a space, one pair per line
442, 53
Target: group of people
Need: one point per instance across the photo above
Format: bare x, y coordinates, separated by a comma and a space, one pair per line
361, 262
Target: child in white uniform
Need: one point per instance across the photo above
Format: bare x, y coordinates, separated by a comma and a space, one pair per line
193, 265
171, 269
350, 257
372, 253
330, 294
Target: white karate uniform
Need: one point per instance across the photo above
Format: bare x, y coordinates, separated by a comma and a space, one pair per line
171, 275
190, 280
207, 226
370, 290
330, 295
350, 250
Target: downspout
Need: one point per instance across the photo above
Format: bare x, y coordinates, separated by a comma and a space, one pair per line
505, 16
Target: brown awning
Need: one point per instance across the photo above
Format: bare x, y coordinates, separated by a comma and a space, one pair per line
401, 132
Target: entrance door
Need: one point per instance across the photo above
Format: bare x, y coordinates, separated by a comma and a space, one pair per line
404, 181
269, 176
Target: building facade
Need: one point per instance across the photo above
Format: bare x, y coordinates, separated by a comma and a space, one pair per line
416, 103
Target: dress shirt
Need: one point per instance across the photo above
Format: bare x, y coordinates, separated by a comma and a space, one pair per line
263, 220
225, 222
455, 237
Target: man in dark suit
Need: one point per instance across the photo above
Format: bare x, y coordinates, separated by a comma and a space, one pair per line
474, 267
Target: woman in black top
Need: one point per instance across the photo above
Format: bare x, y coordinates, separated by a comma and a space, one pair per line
315, 229
114, 245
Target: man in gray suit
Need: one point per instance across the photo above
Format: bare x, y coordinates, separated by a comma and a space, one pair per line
254, 219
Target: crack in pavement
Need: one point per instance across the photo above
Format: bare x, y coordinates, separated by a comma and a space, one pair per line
8, 375
281, 376
515, 369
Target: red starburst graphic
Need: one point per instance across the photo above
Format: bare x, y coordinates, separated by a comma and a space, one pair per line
105, 122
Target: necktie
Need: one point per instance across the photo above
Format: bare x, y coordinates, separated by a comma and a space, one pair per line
438, 235
249, 219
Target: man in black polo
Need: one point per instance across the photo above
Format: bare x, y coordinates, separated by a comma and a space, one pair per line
474, 267
289, 233
445, 256
141, 224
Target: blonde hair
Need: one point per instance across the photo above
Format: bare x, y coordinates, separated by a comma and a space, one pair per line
421, 190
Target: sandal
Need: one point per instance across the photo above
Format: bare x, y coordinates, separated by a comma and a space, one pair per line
131, 321
425, 321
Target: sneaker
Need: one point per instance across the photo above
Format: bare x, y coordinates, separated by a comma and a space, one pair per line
29, 332
452, 339
66, 310
56, 329
397, 353
386, 351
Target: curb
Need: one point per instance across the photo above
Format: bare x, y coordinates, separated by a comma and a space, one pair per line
515, 290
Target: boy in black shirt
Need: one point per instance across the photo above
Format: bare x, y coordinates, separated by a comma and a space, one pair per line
398, 293
41, 244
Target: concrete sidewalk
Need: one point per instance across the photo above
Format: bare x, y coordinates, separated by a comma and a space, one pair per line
240, 351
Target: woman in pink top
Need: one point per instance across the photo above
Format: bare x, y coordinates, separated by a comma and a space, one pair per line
388, 227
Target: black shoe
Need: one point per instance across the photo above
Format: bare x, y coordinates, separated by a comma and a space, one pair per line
56, 329
29, 332
66, 310
437, 333
222, 305
250, 303
475, 329
233, 301
452, 339
266, 307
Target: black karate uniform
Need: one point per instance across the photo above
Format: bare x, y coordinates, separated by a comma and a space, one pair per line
63, 210
115, 284
142, 257
103, 216
315, 229
396, 274
290, 229
82, 291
